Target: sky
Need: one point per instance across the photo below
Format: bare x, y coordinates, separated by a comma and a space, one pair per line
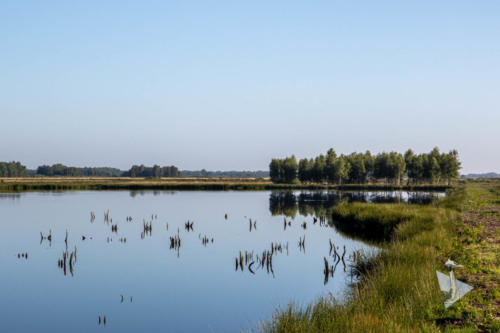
228, 85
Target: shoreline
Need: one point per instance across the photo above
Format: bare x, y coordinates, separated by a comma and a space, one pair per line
201, 184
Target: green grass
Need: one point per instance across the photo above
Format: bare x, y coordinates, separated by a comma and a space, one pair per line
379, 221
398, 291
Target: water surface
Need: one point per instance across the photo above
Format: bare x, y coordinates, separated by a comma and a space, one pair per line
141, 283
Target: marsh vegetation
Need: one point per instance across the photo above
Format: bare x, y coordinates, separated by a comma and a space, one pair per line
397, 291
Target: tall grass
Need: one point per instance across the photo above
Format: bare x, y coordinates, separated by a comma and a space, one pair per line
399, 291
379, 221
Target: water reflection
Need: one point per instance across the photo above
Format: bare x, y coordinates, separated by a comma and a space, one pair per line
13, 196
46, 238
205, 240
22, 255
135, 193
268, 253
175, 243
318, 203
262, 261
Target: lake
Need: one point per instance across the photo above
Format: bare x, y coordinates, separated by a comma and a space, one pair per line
187, 261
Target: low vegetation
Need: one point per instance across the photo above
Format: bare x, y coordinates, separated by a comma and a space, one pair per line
398, 290
379, 221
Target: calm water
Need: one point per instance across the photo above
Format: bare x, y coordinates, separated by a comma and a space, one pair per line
192, 288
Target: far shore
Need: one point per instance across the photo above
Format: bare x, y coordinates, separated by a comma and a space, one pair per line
185, 183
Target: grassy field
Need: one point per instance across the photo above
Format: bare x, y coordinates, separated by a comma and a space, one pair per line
125, 183
398, 291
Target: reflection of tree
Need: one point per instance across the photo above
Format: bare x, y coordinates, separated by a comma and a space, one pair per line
283, 203
418, 199
317, 203
306, 203
385, 197
134, 193
12, 196
320, 203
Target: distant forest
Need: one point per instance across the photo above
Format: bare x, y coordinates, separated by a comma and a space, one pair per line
61, 170
227, 174
481, 175
16, 169
359, 168
156, 171
12, 169
135, 171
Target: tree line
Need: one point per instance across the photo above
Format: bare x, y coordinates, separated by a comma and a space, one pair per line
61, 170
134, 171
226, 174
154, 171
16, 169
12, 169
360, 168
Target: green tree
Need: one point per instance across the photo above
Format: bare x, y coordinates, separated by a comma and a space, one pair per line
289, 169
449, 166
319, 168
381, 169
12, 169
329, 172
357, 171
398, 167
156, 171
276, 170
369, 163
305, 170
341, 169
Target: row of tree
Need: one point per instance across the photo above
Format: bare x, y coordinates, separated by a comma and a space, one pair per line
359, 168
16, 169
12, 169
62, 170
225, 174
155, 171
432, 167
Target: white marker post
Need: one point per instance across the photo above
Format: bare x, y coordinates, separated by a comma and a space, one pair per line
451, 288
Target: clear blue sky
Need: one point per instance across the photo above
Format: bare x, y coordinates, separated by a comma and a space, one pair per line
231, 84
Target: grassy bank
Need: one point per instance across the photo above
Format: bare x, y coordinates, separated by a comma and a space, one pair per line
398, 291
224, 184
378, 222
